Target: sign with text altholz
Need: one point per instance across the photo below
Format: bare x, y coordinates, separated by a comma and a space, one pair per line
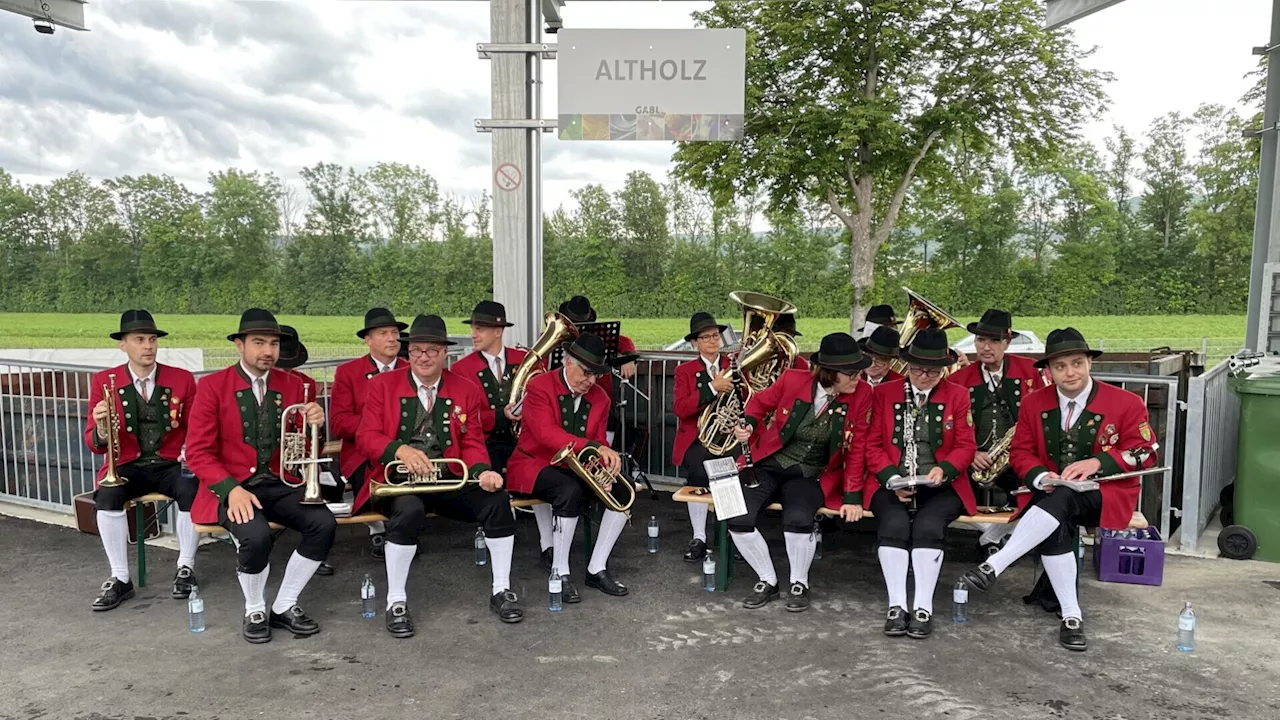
651, 84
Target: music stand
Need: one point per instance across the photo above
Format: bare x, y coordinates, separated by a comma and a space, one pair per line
606, 331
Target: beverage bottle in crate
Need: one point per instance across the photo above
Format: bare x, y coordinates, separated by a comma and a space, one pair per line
709, 573
368, 595
554, 586
482, 550
960, 602
653, 534
195, 610
1187, 629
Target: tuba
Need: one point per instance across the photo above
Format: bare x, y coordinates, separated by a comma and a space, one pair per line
762, 353
407, 483
921, 314
112, 478
300, 452
588, 466
559, 330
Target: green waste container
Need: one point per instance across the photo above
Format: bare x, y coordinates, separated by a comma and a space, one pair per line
1257, 484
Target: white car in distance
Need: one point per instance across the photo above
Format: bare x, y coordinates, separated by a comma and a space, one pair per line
1026, 342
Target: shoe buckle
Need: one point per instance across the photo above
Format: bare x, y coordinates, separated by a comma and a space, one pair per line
922, 616
257, 616
378, 540
987, 569
797, 589
398, 610
296, 611
509, 596
761, 586
1072, 623
184, 572
108, 584
895, 613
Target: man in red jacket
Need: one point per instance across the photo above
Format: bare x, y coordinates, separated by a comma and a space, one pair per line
150, 402
568, 408
815, 440
381, 335
997, 383
882, 347
491, 367
699, 382
234, 450
420, 416
1078, 429
921, 439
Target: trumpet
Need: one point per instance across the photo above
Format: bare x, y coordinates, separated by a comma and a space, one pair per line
300, 452
112, 478
590, 467
407, 483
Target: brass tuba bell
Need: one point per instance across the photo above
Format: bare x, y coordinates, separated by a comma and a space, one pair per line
921, 315
558, 330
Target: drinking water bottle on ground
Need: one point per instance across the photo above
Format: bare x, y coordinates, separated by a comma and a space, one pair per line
553, 592
709, 573
482, 550
1187, 629
960, 602
195, 610
653, 533
368, 596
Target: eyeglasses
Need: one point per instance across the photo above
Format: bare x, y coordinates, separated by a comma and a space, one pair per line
926, 372
430, 352
708, 337
594, 375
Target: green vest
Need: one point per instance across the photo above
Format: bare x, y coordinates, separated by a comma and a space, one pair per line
425, 437
498, 392
261, 424
809, 444
148, 421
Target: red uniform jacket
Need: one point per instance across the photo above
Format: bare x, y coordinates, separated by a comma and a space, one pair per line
390, 415
692, 394
788, 400
950, 425
346, 400
1113, 421
224, 417
1020, 377
625, 347
547, 426
174, 391
475, 368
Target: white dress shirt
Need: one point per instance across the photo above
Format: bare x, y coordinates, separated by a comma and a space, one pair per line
259, 384
144, 385
426, 393
495, 363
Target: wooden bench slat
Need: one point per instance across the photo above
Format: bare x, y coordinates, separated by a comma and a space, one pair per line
360, 519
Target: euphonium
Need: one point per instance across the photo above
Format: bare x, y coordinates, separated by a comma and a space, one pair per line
300, 452
921, 314
112, 478
559, 330
588, 466
408, 483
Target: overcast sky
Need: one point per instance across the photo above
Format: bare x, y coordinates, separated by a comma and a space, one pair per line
185, 88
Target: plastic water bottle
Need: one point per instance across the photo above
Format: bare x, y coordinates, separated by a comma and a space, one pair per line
553, 592
482, 550
960, 602
653, 533
195, 610
1187, 629
368, 595
709, 573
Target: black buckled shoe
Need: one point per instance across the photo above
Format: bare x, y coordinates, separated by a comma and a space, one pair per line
760, 595
295, 621
798, 597
895, 622
548, 556
399, 621
921, 625
183, 580
376, 542
696, 552
325, 569
113, 593
605, 583
255, 629
981, 579
507, 606
1071, 635
568, 593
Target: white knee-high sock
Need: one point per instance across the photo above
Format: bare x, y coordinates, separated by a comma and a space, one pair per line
927, 564
546, 524
376, 527
296, 576
113, 528
756, 552
993, 533
1033, 528
893, 563
800, 548
1061, 570
398, 559
698, 519
610, 528
254, 587
188, 540
563, 537
500, 557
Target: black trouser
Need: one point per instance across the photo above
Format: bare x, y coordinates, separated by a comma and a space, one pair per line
800, 497
693, 459
334, 493
280, 504
1071, 510
407, 514
936, 509
500, 449
164, 477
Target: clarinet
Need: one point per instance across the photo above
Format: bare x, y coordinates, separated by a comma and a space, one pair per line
749, 470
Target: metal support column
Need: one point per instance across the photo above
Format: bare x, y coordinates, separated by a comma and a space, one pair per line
1266, 238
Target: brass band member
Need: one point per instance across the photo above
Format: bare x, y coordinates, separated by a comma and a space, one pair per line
882, 347
1077, 429
424, 413
491, 367
561, 408
880, 316
698, 383
815, 440
293, 355
234, 450
151, 402
997, 384
919, 427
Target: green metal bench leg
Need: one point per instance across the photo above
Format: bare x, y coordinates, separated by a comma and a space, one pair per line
724, 563
142, 545
588, 537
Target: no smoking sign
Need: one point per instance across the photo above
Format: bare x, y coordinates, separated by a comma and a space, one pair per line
507, 177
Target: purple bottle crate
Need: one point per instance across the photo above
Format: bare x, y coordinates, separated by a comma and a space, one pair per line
1138, 559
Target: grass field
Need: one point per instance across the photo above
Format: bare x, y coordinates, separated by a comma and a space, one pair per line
333, 337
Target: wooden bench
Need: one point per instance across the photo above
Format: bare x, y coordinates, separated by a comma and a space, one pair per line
724, 561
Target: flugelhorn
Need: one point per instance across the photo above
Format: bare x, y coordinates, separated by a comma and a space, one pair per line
300, 452
557, 331
432, 481
589, 466
112, 478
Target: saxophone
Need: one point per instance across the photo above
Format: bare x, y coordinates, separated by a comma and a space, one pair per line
999, 454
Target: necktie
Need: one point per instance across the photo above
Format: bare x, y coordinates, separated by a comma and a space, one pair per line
259, 389
428, 396
383, 368
920, 398
1071, 413
143, 392
497, 368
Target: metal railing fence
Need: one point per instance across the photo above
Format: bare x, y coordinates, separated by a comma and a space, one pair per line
1213, 429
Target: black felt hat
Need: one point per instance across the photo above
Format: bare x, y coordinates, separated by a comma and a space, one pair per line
929, 348
137, 321
840, 352
578, 309
702, 321
379, 317
489, 314
292, 352
882, 315
1065, 341
429, 329
256, 321
403, 353
996, 324
882, 341
787, 324
589, 350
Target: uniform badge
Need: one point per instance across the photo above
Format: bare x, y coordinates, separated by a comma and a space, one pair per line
1145, 431
1106, 448
868, 416
786, 411
1114, 439
969, 418
1110, 429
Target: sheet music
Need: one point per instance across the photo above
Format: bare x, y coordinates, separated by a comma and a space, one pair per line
726, 488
